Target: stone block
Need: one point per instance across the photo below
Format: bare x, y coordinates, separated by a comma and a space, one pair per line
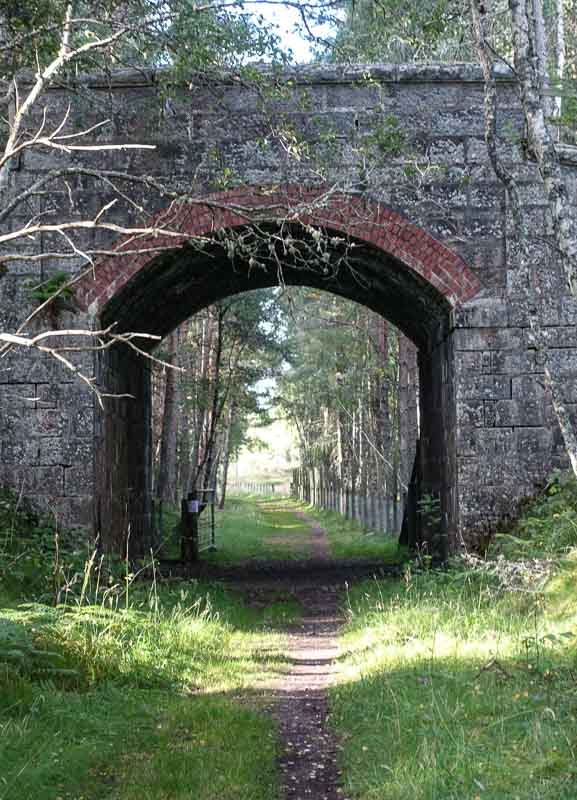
486, 194
466, 441
78, 480
33, 480
483, 313
481, 471
490, 338
18, 451
528, 387
473, 361
477, 149
470, 413
507, 413
483, 223
563, 362
446, 151
488, 444
484, 506
17, 397
82, 422
514, 362
72, 512
534, 445
51, 422
556, 337
484, 387
64, 451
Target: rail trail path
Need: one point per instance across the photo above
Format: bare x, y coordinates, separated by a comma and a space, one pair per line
298, 699
309, 762
314, 580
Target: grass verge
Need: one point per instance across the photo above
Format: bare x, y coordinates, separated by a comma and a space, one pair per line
462, 684
349, 540
257, 528
119, 703
128, 690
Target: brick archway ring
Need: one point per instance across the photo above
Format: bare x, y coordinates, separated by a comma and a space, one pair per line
349, 214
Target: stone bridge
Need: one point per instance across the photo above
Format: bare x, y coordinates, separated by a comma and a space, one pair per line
370, 182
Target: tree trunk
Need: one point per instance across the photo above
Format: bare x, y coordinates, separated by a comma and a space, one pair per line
166, 483
227, 449
528, 71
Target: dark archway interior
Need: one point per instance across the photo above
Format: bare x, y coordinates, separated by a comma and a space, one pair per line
178, 283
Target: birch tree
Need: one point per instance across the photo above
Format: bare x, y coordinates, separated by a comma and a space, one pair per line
530, 53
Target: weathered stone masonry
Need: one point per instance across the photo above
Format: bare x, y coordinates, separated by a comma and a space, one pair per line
402, 151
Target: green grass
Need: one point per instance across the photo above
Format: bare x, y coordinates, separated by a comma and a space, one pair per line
461, 684
348, 539
256, 528
454, 684
117, 743
99, 702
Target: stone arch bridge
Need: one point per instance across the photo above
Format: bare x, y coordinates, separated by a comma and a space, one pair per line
382, 174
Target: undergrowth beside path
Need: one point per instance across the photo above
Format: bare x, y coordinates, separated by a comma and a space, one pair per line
463, 683
129, 689
452, 685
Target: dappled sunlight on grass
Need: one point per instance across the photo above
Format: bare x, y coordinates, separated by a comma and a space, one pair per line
248, 530
454, 687
85, 689
348, 539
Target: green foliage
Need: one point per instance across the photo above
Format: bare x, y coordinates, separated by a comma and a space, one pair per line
387, 137
216, 36
27, 547
85, 691
56, 290
87, 687
399, 31
461, 681
548, 529
348, 538
456, 683
260, 529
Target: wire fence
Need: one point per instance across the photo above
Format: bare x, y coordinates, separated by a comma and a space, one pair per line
374, 511
259, 487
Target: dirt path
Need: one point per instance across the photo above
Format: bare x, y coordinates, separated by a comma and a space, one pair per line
309, 762
299, 699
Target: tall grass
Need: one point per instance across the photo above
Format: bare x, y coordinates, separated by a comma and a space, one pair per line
461, 684
121, 688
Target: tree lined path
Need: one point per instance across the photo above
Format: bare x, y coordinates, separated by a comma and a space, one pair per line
309, 749
298, 699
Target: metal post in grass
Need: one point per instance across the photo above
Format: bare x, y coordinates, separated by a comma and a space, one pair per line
212, 502
397, 516
388, 516
189, 522
384, 526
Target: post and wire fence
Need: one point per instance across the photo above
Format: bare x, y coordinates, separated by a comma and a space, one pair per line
259, 487
379, 512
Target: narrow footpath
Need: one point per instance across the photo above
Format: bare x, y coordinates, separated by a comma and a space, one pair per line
299, 699
309, 762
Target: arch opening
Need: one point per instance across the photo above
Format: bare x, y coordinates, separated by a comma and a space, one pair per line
413, 282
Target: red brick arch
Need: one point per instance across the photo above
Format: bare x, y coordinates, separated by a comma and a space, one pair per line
352, 215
